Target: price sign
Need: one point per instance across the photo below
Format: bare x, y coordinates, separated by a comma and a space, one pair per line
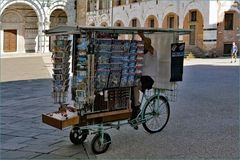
177, 57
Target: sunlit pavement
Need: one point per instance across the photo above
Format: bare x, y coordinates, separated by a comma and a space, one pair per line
204, 121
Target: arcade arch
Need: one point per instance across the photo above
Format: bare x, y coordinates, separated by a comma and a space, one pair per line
104, 24
19, 28
171, 20
118, 23
151, 22
134, 22
194, 20
58, 17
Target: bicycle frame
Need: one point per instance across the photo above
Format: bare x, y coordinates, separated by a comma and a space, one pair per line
100, 128
140, 118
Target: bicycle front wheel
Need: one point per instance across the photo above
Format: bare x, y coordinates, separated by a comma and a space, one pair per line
156, 114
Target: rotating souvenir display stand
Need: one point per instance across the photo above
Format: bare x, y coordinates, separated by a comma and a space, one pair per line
61, 56
104, 70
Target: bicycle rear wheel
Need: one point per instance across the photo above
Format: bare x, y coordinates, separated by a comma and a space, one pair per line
156, 114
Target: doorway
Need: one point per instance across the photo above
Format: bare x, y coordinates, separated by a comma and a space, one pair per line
10, 41
193, 34
227, 49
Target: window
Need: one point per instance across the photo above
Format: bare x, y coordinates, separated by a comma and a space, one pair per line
75, 4
171, 22
134, 23
108, 4
151, 22
100, 4
91, 5
193, 16
228, 21
134, 1
118, 3
88, 6
118, 24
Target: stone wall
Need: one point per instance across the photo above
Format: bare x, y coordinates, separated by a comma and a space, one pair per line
81, 12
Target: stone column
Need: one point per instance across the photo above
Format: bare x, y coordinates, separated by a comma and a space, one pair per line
97, 4
1, 38
71, 12
43, 40
46, 38
81, 12
111, 14
40, 43
210, 26
21, 38
181, 10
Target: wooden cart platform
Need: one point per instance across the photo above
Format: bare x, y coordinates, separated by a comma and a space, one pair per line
88, 119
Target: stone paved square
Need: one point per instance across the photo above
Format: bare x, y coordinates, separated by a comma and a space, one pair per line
204, 122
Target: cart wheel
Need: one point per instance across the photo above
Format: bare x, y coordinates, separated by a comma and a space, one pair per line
156, 114
78, 136
99, 147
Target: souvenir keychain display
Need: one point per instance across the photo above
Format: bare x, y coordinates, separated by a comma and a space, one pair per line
61, 56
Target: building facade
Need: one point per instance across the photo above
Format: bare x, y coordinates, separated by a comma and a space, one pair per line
22, 23
215, 23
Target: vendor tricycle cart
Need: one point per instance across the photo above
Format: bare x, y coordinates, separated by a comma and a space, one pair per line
106, 63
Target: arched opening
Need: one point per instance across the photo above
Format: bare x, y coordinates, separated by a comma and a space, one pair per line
194, 20
134, 1
92, 24
170, 20
134, 23
151, 22
57, 18
118, 23
118, 3
20, 28
104, 24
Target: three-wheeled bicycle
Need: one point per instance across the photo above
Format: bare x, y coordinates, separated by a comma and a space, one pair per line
107, 62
